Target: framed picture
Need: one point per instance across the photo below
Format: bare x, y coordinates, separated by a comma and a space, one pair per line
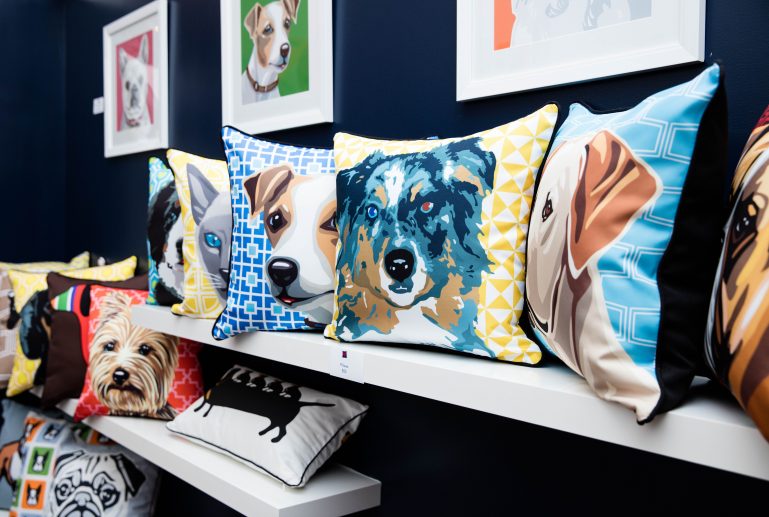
506, 46
136, 81
277, 64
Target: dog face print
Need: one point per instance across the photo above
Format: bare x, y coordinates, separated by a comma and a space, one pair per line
592, 191
33, 494
131, 368
212, 213
93, 484
165, 235
300, 220
412, 225
742, 303
134, 85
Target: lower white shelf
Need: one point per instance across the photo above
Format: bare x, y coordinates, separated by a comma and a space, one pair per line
706, 431
335, 490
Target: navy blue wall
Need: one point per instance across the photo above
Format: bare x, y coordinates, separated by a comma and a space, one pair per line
32, 167
394, 77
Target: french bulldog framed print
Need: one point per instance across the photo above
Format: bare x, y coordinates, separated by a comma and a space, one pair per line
277, 64
136, 81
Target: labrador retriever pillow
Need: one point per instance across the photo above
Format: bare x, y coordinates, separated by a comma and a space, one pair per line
624, 241
737, 349
165, 236
278, 428
134, 371
284, 236
432, 238
204, 194
31, 302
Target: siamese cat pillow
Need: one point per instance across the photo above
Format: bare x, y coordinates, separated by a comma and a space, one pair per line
204, 196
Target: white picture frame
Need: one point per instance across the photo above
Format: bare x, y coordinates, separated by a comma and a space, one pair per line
135, 55
254, 113
663, 33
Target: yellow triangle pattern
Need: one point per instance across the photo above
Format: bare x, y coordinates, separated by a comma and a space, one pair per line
200, 298
519, 147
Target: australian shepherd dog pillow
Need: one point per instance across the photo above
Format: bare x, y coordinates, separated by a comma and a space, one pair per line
432, 238
134, 371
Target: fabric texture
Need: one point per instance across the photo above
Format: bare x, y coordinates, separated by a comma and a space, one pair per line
68, 469
626, 204
165, 236
80, 261
65, 371
7, 335
293, 430
31, 302
133, 371
283, 239
737, 341
204, 194
432, 238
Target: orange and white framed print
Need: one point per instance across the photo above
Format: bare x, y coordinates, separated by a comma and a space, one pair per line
506, 46
136, 81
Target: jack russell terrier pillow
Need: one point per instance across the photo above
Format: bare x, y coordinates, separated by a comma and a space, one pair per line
165, 238
278, 428
134, 371
737, 348
624, 243
68, 469
204, 193
432, 238
31, 302
284, 236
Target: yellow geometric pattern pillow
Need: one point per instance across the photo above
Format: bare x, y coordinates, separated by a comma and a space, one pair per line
77, 262
203, 186
396, 280
25, 285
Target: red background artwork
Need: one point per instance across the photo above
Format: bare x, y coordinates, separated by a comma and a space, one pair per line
131, 47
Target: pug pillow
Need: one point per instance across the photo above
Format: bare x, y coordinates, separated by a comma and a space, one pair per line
284, 236
624, 242
165, 238
737, 345
432, 238
204, 194
134, 371
278, 428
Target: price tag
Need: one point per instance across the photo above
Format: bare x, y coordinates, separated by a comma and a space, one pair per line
98, 105
346, 363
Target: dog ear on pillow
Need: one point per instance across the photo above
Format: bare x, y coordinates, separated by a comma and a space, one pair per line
66, 459
133, 477
613, 188
266, 185
112, 305
472, 165
252, 19
292, 8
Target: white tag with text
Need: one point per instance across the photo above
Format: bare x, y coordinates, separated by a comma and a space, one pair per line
346, 363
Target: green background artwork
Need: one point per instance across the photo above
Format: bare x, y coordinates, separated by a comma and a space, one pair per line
296, 77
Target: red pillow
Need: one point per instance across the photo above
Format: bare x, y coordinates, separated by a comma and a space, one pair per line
133, 371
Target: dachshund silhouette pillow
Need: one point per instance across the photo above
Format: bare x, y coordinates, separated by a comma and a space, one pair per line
134, 371
279, 428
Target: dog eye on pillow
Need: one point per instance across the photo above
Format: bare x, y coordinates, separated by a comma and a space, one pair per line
204, 194
31, 302
284, 236
624, 242
432, 238
133, 371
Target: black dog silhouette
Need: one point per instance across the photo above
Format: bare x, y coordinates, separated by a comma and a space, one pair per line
238, 390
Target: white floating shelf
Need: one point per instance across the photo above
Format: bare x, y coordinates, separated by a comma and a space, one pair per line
335, 490
706, 431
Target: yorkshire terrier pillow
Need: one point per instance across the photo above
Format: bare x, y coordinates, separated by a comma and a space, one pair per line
432, 238
134, 371
284, 236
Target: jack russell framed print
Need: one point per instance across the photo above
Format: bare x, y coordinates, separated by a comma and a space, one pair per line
506, 46
277, 64
136, 81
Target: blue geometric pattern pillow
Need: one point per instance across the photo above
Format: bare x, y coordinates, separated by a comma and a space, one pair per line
283, 237
165, 231
624, 242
